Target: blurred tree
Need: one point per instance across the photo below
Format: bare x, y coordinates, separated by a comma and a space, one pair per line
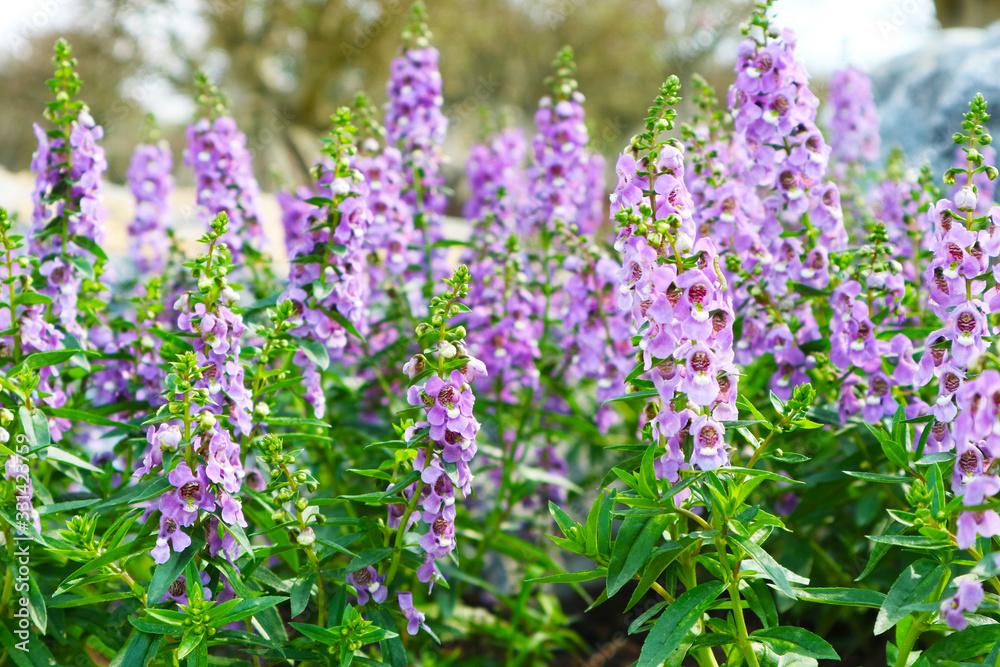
972, 13
287, 64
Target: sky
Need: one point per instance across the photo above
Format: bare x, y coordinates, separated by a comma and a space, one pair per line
864, 33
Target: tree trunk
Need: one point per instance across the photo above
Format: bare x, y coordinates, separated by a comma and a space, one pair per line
967, 13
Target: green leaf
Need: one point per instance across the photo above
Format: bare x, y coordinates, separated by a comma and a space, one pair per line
761, 600
590, 529
963, 645
786, 639
368, 557
881, 549
604, 524
88, 417
767, 563
36, 427
295, 421
894, 451
652, 572
246, 608
344, 322
36, 655
878, 477
849, 597
84, 264
912, 586
31, 298
139, 651
110, 556
633, 546
57, 454
316, 352
568, 577
166, 574
672, 627
241, 537
88, 244
36, 605
391, 647
189, 642
42, 359
300, 592
911, 541
563, 520
645, 393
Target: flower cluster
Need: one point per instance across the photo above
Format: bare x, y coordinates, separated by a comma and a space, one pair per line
898, 200
391, 230
415, 125
671, 285
150, 182
69, 215
446, 435
207, 465
327, 279
562, 172
774, 115
223, 173
497, 180
854, 120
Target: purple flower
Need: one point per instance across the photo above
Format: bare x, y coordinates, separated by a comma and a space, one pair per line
151, 184
854, 124
414, 617
709, 448
974, 524
968, 598
191, 492
224, 181
170, 535
178, 590
367, 581
80, 165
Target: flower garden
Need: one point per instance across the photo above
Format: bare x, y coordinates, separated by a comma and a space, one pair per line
745, 397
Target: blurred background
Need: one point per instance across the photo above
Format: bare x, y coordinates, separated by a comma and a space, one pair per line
285, 65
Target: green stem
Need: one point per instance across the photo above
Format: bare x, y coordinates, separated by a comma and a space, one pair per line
742, 636
913, 634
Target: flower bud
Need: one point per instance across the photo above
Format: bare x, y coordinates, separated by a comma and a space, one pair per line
306, 537
965, 199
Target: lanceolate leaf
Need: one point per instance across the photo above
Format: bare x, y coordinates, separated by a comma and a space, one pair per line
679, 617
767, 564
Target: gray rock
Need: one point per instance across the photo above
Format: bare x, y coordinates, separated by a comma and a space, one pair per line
923, 95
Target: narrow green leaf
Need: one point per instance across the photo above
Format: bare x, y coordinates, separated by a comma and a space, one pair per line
316, 352
568, 577
881, 549
246, 608
57, 454
367, 557
633, 545
964, 645
767, 563
166, 574
912, 586
672, 627
849, 597
300, 592
785, 639
393, 651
